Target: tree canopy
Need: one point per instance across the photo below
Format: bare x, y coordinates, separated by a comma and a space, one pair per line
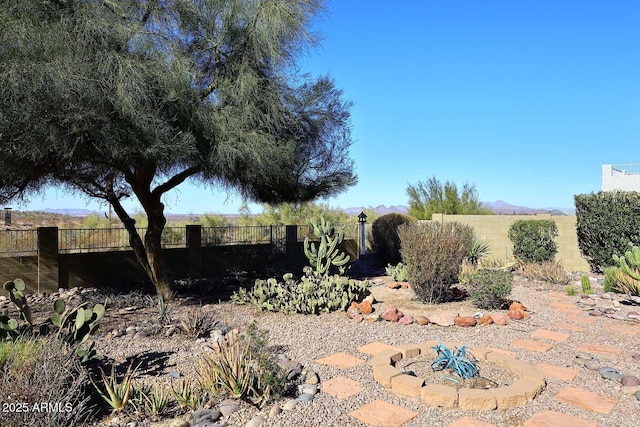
432, 196
131, 98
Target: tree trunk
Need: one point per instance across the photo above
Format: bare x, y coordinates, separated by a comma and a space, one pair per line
149, 254
153, 247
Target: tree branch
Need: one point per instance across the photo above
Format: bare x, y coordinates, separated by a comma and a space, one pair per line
175, 180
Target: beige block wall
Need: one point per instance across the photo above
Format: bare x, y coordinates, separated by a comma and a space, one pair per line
495, 228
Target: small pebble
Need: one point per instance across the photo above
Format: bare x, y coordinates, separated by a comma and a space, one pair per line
256, 421
275, 411
305, 397
290, 405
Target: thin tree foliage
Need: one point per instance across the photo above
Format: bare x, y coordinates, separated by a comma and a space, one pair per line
432, 196
129, 98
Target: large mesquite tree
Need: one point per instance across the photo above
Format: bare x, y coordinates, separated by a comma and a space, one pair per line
130, 98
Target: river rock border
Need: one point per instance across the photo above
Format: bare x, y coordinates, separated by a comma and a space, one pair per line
528, 385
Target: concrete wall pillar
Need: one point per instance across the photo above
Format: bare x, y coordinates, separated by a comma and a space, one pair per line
194, 251
48, 265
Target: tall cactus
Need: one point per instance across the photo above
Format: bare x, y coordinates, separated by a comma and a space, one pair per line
630, 262
16, 289
327, 252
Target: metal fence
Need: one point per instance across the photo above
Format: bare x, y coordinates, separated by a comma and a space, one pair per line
628, 169
19, 242
350, 231
25, 242
241, 235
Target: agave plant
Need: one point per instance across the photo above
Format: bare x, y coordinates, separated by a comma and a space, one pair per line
463, 364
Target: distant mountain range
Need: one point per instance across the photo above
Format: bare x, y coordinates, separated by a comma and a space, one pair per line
499, 207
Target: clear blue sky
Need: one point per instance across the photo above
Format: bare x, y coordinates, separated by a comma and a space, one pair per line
525, 99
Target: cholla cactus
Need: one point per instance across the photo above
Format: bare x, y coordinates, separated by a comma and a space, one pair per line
630, 262
327, 252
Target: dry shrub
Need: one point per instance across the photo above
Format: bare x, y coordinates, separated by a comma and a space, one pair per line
433, 253
43, 384
547, 271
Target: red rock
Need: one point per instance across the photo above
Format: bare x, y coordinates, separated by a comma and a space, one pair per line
406, 320
404, 285
358, 318
517, 306
465, 321
390, 314
365, 307
394, 285
485, 320
353, 311
500, 319
421, 320
516, 314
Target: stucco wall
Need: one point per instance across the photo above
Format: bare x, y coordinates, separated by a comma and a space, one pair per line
495, 228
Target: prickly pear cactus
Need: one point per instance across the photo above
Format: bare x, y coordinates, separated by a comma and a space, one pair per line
326, 253
630, 262
16, 294
76, 325
8, 326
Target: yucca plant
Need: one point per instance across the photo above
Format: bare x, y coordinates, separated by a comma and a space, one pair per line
463, 364
477, 250
232, 368
116, 394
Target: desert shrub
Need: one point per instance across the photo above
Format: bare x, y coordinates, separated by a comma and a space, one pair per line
244, 368
489, 288
43, 371
533, 240
433, 253
397, 272
606, 223
385, 236
548, 271
198, 323
310, 295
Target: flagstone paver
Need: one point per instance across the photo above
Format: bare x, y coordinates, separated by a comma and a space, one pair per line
600, 350
550, 335
570, 327
383, 414
341, 387
557, 419
470, 422
375, 348
532, 345
629, 330
586, 399
565, 307
581, 319
553, 371
340, 361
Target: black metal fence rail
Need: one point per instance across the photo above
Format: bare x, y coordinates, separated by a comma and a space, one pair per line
25, 242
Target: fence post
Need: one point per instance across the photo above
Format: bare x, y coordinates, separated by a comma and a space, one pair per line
194, 251
48, 266
291, 241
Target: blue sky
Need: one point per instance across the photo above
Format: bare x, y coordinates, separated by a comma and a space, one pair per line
525, 99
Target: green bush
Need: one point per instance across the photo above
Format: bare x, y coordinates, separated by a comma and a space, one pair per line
310, 295
533, 240
489, 288
606, 223
385, 236
434, 253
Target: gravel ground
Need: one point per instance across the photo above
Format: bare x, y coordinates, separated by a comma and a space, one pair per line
308, 338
